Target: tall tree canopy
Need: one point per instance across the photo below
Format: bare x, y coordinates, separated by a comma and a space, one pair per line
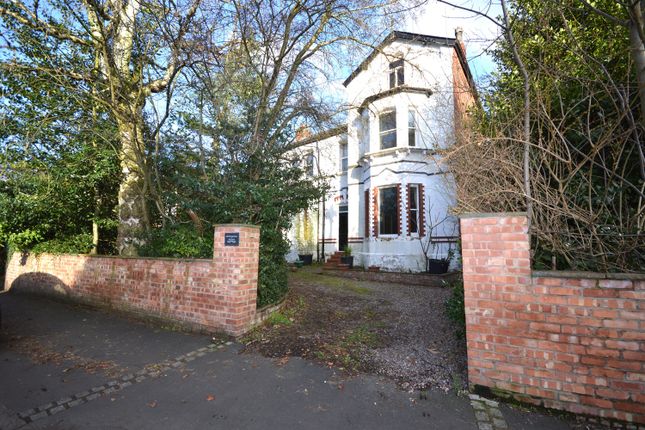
120, 52
184, 110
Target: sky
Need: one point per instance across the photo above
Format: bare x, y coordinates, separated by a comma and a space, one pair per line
437, 19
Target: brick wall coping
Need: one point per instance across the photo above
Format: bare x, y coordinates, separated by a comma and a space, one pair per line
257, 227
467, 215
587, 275
185, 260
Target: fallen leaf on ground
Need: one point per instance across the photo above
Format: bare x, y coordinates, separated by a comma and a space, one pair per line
284, 360
152, 404
210, 397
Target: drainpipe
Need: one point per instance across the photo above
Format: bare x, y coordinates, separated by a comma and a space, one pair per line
324, 197
323, 227
318, 232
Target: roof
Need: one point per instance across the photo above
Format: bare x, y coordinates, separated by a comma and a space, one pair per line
400, 35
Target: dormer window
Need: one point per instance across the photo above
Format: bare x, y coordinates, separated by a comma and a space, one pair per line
396, 74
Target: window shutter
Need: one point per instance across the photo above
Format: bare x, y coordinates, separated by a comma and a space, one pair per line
399, 210
422, 210
367, 213
375, 212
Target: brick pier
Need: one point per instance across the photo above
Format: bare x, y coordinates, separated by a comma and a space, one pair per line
565, 340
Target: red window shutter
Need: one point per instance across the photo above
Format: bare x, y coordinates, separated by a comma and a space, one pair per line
422, 210
375, 212
367, 213
399, 211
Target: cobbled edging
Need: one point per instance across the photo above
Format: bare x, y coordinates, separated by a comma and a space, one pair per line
149, 372
487, 413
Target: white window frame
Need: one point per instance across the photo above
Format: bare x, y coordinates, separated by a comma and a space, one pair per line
389, 131
417, 202
397, 74
343, 157
412, 127
310, 164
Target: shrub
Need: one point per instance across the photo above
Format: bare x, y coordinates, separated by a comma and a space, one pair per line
78, 244
23, 240
272, 277
177, 241
455, 308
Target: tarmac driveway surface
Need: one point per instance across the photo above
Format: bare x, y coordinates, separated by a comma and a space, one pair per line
65, 366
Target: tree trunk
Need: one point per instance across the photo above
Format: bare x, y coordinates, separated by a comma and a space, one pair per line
133, 211
637, 44
526, 126
638, 52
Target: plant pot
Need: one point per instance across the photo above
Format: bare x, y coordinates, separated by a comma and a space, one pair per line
306, 259
437, 266
348, 259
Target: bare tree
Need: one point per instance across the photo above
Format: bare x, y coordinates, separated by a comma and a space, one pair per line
505, 26
585, 138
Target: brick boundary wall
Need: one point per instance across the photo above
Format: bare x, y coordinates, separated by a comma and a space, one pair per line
212, 295
573, 341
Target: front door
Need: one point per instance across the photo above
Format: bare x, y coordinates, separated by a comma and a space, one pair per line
342, 228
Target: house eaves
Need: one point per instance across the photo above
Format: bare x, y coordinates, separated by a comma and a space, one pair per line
319, 136
392, 91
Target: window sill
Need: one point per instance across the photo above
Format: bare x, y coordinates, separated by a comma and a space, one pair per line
388, 236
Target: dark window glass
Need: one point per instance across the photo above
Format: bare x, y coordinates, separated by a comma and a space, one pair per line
413, 204
388, 216
387, 129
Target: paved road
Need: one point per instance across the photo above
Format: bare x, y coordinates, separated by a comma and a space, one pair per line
70, 367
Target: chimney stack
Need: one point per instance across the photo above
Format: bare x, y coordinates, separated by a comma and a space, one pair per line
302, 133
459, 32
459, 35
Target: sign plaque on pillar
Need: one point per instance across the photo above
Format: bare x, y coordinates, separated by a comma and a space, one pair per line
231, 239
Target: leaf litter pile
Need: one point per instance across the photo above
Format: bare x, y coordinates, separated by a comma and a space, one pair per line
393, 330
43, 353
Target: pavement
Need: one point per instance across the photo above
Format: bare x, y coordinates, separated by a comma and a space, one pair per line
66, 366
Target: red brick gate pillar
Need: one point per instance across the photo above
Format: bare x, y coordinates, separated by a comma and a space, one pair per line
497, 274
236, 261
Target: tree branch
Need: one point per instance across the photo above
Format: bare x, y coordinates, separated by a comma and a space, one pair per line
35, 23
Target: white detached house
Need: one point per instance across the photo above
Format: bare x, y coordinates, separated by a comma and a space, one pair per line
388, 185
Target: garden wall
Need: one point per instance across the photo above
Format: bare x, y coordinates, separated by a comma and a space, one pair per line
566, 340
214, 295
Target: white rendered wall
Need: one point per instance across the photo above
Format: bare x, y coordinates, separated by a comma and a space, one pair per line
327, 164
425, 67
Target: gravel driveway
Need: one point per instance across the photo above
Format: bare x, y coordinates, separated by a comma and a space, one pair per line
399, 331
